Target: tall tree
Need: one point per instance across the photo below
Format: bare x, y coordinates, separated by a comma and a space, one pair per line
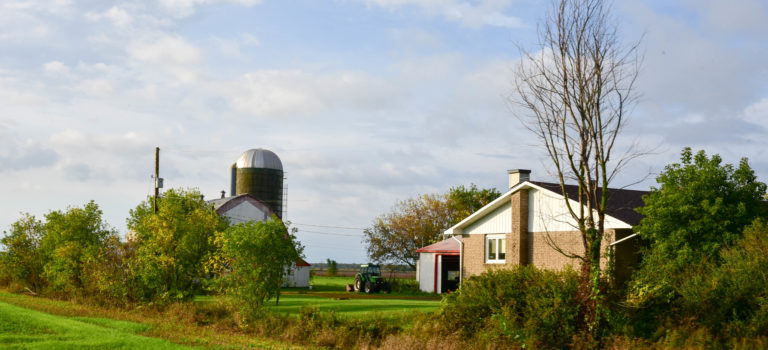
252, 259
23, 260
172, 245
700, 207
73, 240
416, 222
575, 90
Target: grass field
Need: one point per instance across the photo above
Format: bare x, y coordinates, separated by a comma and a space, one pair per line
23, 328
328, 295
39, 323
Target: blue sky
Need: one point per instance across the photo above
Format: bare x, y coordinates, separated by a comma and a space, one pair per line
366, 101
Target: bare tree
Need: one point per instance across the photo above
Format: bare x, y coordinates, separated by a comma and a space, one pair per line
575, 90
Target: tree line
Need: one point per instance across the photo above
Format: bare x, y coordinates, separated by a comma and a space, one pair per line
182, 250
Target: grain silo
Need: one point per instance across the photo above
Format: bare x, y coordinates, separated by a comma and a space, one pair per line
259, 173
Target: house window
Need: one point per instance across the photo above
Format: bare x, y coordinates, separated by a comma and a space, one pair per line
495, 248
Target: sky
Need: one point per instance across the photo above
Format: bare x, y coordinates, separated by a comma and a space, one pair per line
366, 102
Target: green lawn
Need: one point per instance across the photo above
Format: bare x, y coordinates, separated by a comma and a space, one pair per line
354, 307
329, 294
22, 328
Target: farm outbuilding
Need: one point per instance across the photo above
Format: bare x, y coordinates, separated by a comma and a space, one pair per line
256, 195
297, 275
439, 267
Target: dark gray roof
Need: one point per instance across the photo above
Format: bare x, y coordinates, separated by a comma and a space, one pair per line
621, 203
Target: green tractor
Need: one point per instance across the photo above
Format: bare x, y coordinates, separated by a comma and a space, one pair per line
369, 280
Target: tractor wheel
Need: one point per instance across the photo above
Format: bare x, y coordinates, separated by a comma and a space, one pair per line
358, 284
368, 287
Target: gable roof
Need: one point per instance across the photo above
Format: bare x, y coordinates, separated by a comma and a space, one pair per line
621, 203
449, 245
223, 205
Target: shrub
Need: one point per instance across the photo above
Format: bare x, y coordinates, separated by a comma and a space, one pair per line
523, 304
251, 261
172, 245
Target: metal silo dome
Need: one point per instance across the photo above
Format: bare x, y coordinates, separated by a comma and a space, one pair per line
259, 158
259, 172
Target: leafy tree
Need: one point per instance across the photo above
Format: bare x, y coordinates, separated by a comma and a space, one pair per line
463, 201
700, 207
416, 222
172, 245
333, 268
73, 239
252, 259
23, 260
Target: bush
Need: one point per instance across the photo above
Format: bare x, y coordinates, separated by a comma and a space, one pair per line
251, 260
404, 285
523, 305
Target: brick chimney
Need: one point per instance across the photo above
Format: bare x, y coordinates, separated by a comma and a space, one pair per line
517, 176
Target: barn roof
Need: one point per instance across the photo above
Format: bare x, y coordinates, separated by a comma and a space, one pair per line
449, 245
222, 205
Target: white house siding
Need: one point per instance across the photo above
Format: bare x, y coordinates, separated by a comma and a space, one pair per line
296, 276
547, 212
427, 272
498, 221
244, 212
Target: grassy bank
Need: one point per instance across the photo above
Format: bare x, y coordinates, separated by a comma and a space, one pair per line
325, 316
30, 329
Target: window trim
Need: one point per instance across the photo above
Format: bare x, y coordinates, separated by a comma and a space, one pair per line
495, 237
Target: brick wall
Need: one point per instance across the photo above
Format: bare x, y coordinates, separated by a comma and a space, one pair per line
542, 255
519, 237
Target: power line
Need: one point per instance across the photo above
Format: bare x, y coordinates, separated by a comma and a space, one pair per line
330, 233
339, 227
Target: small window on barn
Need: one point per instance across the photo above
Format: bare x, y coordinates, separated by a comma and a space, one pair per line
495, 248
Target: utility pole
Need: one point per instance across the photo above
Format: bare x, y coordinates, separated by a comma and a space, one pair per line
157, 175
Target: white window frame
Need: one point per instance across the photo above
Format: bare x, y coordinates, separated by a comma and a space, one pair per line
497, 246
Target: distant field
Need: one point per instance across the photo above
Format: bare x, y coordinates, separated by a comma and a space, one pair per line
30, 329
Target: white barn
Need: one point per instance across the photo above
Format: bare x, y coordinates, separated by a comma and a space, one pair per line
243, 208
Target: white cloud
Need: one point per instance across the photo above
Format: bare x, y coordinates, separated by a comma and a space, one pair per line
55, 67
471, 14
183, 8
95, 87
168, 50
295, 92
118, 16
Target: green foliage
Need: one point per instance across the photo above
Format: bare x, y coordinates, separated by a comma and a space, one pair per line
251, 261
463, 201
700, 207
333, 268
172, 245
73, 240
417, 222
22, 260
523, 304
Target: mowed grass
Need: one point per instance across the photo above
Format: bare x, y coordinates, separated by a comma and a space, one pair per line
353, 307
22, 328
328, 294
